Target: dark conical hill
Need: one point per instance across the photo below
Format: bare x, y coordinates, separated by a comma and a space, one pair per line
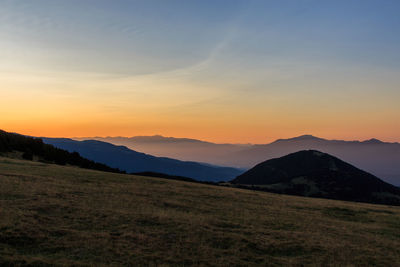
317, 174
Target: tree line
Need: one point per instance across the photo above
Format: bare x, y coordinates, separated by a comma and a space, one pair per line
34, 147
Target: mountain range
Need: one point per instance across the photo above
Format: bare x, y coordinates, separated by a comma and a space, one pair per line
178, 148
306, 173
379, 158
316, 174
132, 161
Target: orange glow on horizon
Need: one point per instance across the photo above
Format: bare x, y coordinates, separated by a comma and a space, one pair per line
172, 104
239, 77
260, 136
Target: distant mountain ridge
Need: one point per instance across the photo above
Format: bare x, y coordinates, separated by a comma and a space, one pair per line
377, 157
309, 137
136, 162
184, 149
305, 137
317, 174
144, 138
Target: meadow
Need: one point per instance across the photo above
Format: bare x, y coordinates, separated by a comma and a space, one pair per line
62, 215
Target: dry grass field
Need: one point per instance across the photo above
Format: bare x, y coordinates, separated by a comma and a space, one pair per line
56, 215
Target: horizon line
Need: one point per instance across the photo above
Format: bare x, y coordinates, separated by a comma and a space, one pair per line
233, 143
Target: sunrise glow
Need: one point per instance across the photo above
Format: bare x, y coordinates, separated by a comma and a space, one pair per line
247, 71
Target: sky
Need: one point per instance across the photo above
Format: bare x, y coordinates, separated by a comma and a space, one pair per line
241, 71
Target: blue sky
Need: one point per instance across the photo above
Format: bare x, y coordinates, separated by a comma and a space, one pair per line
111, 36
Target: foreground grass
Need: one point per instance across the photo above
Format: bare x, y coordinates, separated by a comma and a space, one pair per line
69, 216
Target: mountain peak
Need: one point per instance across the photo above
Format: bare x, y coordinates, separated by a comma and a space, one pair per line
164, 139
305, 137
317, 174
373, 141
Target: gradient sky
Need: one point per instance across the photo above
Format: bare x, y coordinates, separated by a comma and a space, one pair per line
224, 71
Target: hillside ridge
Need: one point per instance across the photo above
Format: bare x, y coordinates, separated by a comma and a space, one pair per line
318, 174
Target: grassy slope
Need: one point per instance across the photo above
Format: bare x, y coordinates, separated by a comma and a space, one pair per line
64, 215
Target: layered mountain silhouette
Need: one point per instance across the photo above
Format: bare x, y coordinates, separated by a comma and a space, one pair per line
135, 162
316, 174
379, 158
178, 148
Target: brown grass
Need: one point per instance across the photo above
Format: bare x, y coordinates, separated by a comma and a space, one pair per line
54, 215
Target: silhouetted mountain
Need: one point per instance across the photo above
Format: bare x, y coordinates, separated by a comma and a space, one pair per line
158, 139
379, 158
35, 148
316, 174
306, 137
178, 148
133, 162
